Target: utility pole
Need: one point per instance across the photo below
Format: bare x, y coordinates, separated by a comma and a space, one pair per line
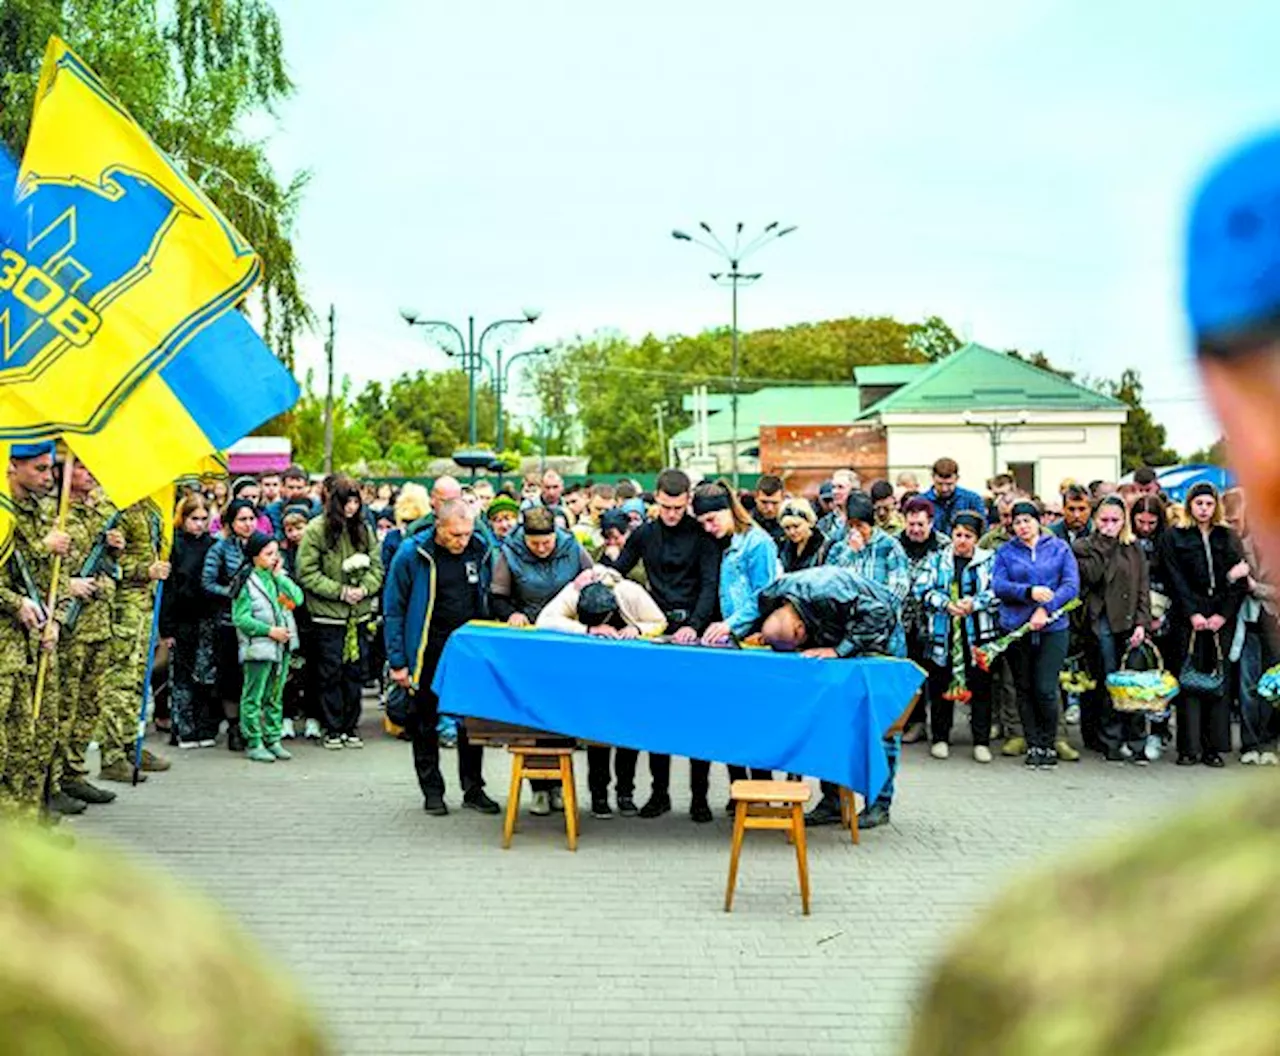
328, 395
659, 412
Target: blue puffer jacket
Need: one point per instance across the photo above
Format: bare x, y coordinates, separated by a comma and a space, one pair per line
1018, 568
221, 564
534, 580
410, 595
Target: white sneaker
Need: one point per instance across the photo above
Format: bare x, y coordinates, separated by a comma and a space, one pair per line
1152, 748
557, 799
541, 805
209, 743
941, 750
1269, 759
1249, 758
286, 730
1126, 753
188, 744
1072, 716
981, 753
311, 730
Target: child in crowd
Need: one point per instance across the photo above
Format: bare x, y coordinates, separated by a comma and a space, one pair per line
261, 612
300, 695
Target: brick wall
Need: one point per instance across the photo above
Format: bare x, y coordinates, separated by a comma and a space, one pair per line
806, 455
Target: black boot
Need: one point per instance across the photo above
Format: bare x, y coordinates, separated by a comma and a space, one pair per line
235, 739
65, 804
659, 804
86, 792
827, 812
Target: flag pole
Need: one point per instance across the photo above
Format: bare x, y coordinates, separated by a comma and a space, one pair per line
163, 553
42, 665
141, 731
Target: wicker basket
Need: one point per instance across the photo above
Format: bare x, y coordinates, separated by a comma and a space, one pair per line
1149, 691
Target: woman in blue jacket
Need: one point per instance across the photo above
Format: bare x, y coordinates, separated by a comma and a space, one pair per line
1035, 575
748, 565
221, 563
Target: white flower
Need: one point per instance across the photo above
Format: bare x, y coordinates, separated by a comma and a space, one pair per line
356, 563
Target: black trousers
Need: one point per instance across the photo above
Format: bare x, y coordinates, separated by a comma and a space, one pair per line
1036, 660
424, 715
1204, 722
942, 711
341, 681
699, 775
624, 770
916, 651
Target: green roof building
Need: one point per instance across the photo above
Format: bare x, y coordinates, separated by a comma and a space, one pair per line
988, 410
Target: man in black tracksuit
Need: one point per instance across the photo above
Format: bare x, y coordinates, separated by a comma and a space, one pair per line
682, 564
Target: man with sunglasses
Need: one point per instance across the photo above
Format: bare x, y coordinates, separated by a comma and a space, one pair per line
682, 563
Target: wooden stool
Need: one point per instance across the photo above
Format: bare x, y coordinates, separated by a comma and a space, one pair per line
849, 812
542, 763
755, 807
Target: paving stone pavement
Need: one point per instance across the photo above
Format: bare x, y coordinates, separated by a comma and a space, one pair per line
415, 934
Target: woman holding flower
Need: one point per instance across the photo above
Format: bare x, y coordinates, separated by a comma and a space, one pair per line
340, 571
959, 608
1035, 577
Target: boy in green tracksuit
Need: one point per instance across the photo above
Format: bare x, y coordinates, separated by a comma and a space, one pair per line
260, 611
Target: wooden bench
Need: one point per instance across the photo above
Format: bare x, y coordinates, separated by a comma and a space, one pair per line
769, 805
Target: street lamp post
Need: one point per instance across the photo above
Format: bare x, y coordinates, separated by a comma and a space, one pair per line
499, 376
472, 351
733, 278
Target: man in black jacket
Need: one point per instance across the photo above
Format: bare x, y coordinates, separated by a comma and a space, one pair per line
682, 563
833, 613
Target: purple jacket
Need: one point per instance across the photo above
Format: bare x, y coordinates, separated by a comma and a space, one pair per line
1018, 568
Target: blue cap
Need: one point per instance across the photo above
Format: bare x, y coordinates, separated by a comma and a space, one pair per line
1233, 243
634, 506
23, 452
826, 490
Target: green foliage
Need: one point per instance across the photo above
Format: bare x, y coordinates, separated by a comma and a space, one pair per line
397, 428
190, 72
933, 339
1142, 438
599, 394
1215, 454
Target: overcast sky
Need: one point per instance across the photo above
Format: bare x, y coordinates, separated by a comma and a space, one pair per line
1019, 168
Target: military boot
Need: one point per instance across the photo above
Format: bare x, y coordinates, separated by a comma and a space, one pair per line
86, 792
121, 771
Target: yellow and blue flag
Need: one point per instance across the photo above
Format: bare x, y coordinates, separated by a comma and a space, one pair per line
119, 282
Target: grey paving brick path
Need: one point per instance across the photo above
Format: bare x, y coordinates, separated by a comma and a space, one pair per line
416, 934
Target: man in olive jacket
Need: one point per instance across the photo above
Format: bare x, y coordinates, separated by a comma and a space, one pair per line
340, 570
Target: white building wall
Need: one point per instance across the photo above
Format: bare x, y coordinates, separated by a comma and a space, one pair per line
1058, 448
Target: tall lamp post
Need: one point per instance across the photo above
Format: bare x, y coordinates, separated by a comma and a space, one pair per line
734, 277
500, 375
472, 351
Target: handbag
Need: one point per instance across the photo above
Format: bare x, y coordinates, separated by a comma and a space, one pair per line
1202, 683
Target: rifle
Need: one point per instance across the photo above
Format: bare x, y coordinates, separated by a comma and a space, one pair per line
27, 584
92, 566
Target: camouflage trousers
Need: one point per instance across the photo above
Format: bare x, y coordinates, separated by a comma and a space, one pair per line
85, 671
118, 723
26, 741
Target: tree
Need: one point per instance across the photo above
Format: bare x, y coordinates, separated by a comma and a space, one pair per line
190, 72
1142, 438
1215, 454
598, 394
933, 338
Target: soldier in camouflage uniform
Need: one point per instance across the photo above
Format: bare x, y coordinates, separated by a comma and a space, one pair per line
140, 569
86, 647
28, 740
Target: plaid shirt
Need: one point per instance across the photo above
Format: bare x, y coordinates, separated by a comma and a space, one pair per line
881, 560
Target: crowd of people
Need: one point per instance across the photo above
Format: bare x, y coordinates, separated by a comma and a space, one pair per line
284, 598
